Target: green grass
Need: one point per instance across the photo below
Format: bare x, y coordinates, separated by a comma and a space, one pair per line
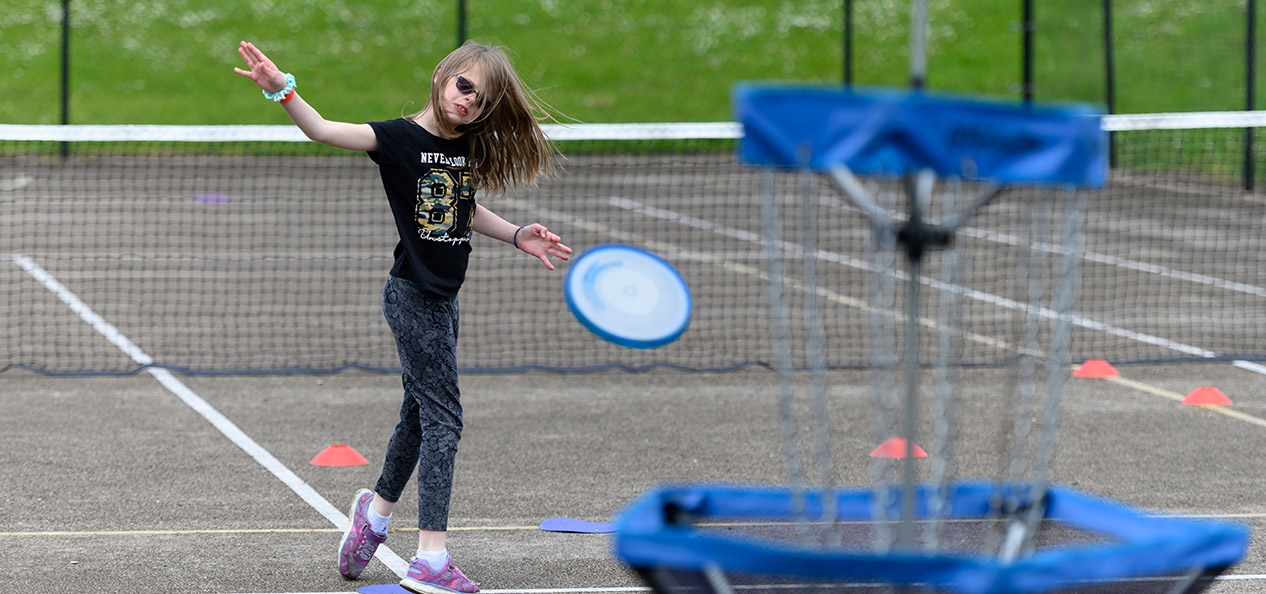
170, 61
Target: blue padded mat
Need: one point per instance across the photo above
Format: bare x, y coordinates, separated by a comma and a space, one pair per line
651, 535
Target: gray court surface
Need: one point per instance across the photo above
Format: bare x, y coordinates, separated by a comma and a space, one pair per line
116, 484
156, 482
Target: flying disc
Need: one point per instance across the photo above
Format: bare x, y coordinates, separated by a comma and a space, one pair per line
628, 296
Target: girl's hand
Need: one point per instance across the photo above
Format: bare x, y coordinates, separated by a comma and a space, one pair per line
262, 70
535, 239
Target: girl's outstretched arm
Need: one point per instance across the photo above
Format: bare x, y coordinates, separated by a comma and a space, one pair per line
357, 137
533, 239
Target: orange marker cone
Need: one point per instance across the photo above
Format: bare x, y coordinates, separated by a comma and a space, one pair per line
339, 454
1096, 369
1207, 396
895, 447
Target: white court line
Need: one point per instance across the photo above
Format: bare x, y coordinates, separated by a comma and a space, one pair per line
202, 407
1089, 256
682, 219
1110, 260
1246, 365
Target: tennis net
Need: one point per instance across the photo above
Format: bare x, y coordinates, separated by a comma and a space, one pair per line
247, 249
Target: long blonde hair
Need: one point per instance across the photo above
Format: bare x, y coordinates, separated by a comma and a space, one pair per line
508, 149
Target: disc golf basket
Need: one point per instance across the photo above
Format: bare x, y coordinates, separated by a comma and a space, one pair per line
1017, 532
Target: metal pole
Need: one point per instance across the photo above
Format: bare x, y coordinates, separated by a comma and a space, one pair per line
461, 22
920, 188
1110, 88
909, 427
1027, 27
1250, 86
848, 43
918, 45
65, 90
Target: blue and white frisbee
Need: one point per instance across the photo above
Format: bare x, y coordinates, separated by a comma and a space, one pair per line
628, 296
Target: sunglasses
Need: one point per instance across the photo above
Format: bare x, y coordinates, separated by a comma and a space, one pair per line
465, 87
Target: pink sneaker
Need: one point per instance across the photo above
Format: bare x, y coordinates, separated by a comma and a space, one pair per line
423, 580
359, 542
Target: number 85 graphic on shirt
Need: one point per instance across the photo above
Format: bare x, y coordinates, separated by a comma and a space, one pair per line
438, 196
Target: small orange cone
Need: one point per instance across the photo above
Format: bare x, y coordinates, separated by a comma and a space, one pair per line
895, 447
1096, 369
1207, 396
339, 454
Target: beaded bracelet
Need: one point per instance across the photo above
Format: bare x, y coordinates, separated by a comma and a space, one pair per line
516, 237
284, 92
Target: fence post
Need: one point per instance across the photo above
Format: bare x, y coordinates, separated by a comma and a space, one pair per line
1110, 79
1027, 26
65, 85
1250, 84
461, 22
848, 43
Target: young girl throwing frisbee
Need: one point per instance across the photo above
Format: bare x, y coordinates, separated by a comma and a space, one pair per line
477, 133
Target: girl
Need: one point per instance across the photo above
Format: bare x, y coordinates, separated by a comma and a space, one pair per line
477, 131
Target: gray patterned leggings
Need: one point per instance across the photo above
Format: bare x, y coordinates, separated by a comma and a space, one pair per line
425, 327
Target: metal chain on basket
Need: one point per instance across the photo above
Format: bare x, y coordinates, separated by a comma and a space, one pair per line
780, 329
1033, 454
814, 354
947, 377
882, 318
1068, 277
1031, 280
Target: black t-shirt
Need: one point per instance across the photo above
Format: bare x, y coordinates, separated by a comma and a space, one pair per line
427, 179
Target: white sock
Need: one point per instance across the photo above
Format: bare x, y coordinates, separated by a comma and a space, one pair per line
433, 559
377, 523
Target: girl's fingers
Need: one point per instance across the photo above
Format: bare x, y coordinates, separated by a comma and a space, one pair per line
251, 54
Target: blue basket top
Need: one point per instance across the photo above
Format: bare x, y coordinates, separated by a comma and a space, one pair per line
889, 133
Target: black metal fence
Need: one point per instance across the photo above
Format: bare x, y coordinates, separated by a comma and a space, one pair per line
1130, 56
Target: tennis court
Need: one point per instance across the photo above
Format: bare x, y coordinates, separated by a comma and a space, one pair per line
155, 481
113, 484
